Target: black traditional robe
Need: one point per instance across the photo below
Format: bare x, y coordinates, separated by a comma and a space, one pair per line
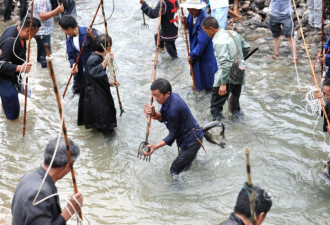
96, 105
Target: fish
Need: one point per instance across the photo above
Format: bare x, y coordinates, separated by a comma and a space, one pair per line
209, 137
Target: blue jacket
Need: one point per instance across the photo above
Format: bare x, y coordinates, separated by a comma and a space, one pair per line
180, 122
202, 52
73, 52
327, 59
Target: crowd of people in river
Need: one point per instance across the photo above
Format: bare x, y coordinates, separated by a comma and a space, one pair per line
217, 58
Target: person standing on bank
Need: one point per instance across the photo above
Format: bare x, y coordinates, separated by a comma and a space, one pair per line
181, 124
12, 62
96, 106
42, 9
48, 211
77, 35
169, 24
201, 48
229, 46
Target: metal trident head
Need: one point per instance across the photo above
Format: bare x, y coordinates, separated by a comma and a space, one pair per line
144, 25
143, 150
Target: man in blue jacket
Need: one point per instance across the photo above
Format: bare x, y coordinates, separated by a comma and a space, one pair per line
181, 124
74, 43
201, 48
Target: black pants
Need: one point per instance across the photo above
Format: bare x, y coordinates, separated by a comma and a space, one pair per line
8, 9
41, 41
23, 9
217, 101
77, 82
169, 45
185, 158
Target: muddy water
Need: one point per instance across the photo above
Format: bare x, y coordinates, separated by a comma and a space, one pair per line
287, 154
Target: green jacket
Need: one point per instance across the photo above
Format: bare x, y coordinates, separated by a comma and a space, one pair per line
225, 53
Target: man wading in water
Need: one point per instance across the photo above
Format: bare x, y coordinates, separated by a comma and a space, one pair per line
181, 124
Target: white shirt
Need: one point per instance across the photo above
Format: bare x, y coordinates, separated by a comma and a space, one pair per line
218, 4
76, 42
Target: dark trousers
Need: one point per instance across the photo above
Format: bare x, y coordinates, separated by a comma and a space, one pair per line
169, 45
8, 9
217, 101
185, 158
23, 9
77, 82
41, 41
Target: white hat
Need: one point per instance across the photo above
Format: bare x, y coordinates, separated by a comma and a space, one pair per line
193, 4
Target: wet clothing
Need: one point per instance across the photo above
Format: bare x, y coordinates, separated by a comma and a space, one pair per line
8, 74
169, 23
169, 45
184, 129
327, 108
73, 53
233, 220
46, 212
202, 53
96, 106
327, 58
218, 101
315, 13
8, 9
225, 53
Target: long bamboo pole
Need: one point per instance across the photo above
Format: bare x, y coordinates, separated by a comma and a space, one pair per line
109, 50
81, 50
59, 105
248, 170
27, 78
188, 51
311, 64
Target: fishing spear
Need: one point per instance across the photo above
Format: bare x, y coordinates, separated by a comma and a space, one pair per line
81, 50
188, 51
60, 109
111, 61
27, 77
153, 77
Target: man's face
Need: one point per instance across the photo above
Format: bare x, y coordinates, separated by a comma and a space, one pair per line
194, 12
209, 32
24, 35
69, 31
160, 98
326, 91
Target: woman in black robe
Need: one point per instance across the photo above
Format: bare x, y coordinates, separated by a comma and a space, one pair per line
96, 106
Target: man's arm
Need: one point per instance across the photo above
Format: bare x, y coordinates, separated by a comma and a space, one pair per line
47, 15
150, 12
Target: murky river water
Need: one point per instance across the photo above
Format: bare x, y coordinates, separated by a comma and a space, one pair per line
287, 155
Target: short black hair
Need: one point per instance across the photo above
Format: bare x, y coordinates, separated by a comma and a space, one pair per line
162, 85
68, 21
26, 23
100, 42
61, 158
209, 22
327, 82
262, 202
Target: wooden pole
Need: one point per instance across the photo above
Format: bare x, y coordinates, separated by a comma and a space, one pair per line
81, 50
27, 78
111, 61
59, 105
188, 51
248, 170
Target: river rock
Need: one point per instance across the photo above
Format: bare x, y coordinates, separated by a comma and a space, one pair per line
260, 4
266, 10
250, 13
256, 19
262, 14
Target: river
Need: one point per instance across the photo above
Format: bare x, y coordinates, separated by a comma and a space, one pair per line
287, 153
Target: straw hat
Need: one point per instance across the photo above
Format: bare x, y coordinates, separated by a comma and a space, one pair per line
193, 4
